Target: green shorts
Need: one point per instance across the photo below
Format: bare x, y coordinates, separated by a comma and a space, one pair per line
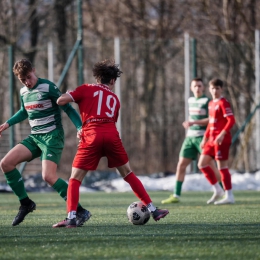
191, 147
48, 146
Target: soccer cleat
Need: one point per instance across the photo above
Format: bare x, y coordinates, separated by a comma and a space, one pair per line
171, 199
68, 223
226, 200
159, 213
82, 216
216, 196
23, 211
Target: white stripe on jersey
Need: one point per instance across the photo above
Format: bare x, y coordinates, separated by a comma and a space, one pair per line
195, 133
196, 111
40, 88
45, 130
41, 121
198, 101
38, 105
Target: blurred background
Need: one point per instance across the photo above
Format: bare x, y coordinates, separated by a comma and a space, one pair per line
156, 39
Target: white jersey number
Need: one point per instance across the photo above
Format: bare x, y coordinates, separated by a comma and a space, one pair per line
111, 109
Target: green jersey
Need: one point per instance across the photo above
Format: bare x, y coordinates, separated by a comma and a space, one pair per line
38, 104
198, 109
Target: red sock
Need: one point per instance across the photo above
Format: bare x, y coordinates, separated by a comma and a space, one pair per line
138, 188
209, 174
73, 195
226, 178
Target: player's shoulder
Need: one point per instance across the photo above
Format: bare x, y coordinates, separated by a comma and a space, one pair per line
23, 90
224, 101
202, 100
45, 85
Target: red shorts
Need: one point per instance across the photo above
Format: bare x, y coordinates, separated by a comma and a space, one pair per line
218, 152
95, 145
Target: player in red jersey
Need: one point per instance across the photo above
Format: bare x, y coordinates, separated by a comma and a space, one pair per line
216, 144
99, 109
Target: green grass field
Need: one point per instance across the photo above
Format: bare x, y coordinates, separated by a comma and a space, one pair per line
192, 230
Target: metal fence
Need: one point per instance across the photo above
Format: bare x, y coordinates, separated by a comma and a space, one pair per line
152, 97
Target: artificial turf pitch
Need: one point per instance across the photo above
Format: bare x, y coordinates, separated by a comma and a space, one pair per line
192, 230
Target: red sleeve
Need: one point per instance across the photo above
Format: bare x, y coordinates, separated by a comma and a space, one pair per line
207, 132
76, 94
230, 122
228, 114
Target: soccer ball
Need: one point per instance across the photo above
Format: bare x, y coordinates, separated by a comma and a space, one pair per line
137, 213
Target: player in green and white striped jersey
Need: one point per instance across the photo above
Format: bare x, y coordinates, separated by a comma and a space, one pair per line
196, 127
38, 104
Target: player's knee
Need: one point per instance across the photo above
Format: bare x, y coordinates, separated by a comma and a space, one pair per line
5, 165
49, 179
200, 165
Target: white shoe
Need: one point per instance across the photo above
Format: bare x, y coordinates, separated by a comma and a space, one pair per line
226, 200
216, 196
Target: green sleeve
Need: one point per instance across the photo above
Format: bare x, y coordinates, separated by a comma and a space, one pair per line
73, 115
68, 109
19, 116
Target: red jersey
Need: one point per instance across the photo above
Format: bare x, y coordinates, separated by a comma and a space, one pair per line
98, 106
220, 118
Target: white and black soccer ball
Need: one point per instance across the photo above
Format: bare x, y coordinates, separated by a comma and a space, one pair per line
137, 213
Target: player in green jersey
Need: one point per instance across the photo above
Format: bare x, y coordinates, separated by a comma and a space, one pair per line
38, 104
196, 127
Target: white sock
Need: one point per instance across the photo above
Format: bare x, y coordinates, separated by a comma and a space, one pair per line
151, 207
216, 188
72, 214
176, 196
229, 193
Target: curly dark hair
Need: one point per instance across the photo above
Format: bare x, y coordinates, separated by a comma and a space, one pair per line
106, 70
22, 67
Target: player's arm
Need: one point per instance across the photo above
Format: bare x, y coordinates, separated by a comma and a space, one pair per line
205, 137
19, 116
227, 112
67, 108
201, 122
64, 99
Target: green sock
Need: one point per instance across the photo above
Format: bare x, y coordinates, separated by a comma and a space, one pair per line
221, 185
15, 181
178, 185
61, 187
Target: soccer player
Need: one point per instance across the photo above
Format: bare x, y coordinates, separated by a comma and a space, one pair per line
99, 109
196, 127
216, 143
38, 104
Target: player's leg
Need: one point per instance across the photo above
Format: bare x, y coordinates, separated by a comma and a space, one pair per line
226, 179
221, 155
140, 192
51, 145
49, 174
180, 175
187, 153
204, 166
76, 178
216, 171
18, 154
117, 157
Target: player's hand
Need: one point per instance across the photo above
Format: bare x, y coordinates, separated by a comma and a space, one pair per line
187, 124
219, 138
203, 142
3, 127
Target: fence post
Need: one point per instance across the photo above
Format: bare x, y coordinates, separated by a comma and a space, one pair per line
257, 98
11, 93
50, 62
117, 86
